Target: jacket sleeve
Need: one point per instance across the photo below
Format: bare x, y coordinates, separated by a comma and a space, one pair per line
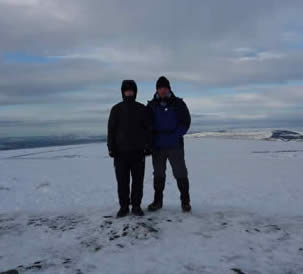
111, 130
184, 119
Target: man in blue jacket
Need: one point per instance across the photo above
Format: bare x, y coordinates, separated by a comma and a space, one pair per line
171, 120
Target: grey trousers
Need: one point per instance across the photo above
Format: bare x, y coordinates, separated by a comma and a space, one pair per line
176, 158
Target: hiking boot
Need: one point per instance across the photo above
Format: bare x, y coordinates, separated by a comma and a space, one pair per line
137, 211
183, 185
123, 211
155, 205
186, 207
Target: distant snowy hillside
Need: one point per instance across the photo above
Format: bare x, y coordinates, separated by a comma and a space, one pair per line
249, 134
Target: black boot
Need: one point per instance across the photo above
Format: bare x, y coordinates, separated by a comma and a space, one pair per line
123, 211
183, 185
157, 204
186, 207
137, 211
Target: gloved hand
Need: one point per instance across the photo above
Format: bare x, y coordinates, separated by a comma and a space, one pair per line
148, 151
112, 153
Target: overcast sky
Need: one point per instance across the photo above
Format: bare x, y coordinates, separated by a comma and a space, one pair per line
234, 62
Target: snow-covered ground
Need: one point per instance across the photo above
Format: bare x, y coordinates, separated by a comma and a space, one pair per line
57, 208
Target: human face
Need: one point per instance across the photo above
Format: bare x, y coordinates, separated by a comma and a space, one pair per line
163, 92
129, 93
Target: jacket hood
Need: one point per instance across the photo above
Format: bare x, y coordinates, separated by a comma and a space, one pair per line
129, 85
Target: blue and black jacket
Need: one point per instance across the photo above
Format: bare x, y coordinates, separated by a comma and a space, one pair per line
170, 121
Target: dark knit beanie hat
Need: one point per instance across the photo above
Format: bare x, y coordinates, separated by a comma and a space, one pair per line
163, 83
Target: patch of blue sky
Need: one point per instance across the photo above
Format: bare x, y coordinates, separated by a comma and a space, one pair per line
293, 35
24, 58
257, 86
249, 88
295, 45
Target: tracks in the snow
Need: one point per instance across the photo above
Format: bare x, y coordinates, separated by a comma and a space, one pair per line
66, 238
90, 234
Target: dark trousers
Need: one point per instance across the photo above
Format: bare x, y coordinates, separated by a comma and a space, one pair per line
176, 158
130, 165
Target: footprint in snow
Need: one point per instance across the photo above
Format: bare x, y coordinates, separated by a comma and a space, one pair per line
4, 188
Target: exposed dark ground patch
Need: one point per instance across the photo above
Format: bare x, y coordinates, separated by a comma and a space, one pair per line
238, 271
277, 151
93, 234
10, 272
87, 235
4, 188
57, 223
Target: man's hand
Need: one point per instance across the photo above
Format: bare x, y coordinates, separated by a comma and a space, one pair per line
148, 151
111, 153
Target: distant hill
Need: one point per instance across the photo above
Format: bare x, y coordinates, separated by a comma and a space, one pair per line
286, 135
10, 143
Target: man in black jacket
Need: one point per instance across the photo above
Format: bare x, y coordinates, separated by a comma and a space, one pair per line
171, 120
129, 141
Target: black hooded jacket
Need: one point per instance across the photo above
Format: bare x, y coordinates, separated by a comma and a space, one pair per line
129, 126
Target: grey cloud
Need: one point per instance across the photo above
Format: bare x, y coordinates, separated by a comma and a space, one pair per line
225, 44
197, 39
